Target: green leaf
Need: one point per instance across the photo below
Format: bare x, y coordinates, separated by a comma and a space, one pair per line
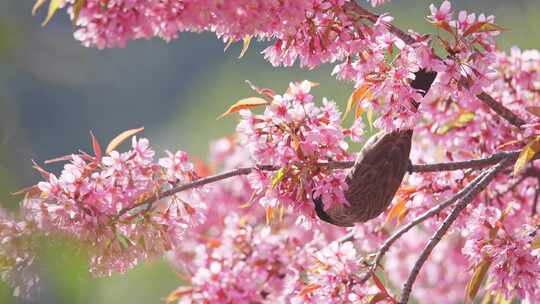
278, 177
494, 298
535, 244
37, 6
54, 5
123, 240
477, 278
462, 120
245, 46
528, 153
465, 118
369, 117
230, 41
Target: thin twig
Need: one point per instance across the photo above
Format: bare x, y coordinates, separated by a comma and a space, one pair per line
346, 238
197, 183
436, 238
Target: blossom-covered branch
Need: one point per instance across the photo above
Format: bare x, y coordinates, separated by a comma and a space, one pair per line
489, 101
447, 166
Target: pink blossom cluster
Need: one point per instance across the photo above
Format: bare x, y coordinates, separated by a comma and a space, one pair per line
496, 237
295, 136
249, 262
113, 23
471, 52
101, 202
320, 31
234, 194
455, 115
316, 32
18, 255
333, 275
312, 31
242, 263
386, 83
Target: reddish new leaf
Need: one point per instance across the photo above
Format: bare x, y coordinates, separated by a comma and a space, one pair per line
357, 95
96, 146
309, 289
263, 91
397, 210
482, 27
30, 191
445, 26
381, 287
247, 103
178, 293
59, 159
377, 298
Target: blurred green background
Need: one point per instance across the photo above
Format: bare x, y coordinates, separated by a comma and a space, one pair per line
54, 91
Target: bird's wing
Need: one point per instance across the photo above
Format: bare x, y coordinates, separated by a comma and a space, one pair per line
374, 179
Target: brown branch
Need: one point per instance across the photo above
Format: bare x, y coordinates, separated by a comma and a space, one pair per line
467, 164
447, 166
197, 183
500, 109
418, 220
489, 101
408, 39
424, 216
436, 238
536, 194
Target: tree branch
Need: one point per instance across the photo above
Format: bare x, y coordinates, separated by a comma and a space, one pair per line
436, 238
424, 216
408, 39
467, 164
447, 166
418, 220
500, 109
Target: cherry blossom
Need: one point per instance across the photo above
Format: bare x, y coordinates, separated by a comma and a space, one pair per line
236, 226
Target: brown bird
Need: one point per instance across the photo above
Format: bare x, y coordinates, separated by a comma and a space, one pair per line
377, 173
